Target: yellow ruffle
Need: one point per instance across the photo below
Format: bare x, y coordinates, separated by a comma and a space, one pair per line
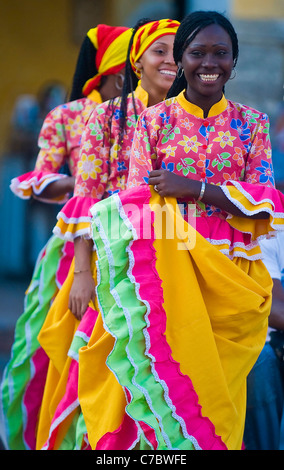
216, 328
256, 227
69, 231
216, 321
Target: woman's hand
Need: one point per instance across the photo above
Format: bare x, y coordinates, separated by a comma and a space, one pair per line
82, 291
59, 187
167, 183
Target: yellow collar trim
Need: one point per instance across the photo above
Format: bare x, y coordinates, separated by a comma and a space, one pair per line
191, 108
95, 96
141, 94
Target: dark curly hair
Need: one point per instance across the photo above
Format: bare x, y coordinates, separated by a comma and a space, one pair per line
190, 26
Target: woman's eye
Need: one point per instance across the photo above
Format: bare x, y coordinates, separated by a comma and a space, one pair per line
196, 53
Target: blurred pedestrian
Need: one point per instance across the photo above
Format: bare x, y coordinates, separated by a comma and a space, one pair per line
278, 148
264, 418
27, 119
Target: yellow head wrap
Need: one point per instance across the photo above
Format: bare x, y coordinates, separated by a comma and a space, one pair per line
147, 34
111, 44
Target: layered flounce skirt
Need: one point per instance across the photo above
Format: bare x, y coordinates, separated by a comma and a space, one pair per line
164, 353
24, 376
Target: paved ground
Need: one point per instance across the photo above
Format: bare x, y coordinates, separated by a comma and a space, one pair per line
12, 293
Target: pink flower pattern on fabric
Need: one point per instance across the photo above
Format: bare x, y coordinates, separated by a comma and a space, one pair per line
103, 163
60, 136
104, 160
232, 144
59, 144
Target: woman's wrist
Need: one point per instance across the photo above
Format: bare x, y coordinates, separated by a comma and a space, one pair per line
195, 189
202, 191
79, 271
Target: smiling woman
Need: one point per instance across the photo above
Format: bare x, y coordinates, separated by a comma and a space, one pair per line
208, 60
185, 317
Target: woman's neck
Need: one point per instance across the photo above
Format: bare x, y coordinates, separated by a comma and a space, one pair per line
203, 102
155, 95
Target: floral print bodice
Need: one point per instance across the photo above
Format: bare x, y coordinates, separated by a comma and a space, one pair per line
103, 164
231, 144
104, 157
60, 136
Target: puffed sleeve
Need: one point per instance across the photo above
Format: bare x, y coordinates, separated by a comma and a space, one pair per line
257, 192
51, 158
91, 181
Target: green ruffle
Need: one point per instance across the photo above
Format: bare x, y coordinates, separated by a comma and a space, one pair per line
124, 317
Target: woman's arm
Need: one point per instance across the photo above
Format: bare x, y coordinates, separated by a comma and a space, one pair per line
90, 185
59, 187
172, 185
83, 287
276, 317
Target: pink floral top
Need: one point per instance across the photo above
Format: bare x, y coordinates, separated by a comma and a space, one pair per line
103, 164
230, 148
59, 144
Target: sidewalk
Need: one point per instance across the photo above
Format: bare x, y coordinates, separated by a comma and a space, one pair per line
12, 293
11, 307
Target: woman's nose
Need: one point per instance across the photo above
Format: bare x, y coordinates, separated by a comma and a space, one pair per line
209, 60
170, 59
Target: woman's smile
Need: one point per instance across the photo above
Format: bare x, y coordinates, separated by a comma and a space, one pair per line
209, 78
170, 73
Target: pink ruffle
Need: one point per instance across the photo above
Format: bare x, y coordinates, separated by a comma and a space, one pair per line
73, 217
180, 388
69, 402
77, 209
258, 193
123, 438
33, 183
218, 231
33, 397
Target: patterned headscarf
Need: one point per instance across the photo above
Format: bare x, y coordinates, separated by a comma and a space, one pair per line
147, 34
111, 44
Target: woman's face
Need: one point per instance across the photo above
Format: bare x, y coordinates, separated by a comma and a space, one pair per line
157, 65
208, 62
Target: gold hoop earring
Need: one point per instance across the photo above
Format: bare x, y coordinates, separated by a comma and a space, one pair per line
179, 72
119, 79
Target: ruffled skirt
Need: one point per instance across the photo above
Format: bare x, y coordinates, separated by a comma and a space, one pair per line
174, 332
24, 377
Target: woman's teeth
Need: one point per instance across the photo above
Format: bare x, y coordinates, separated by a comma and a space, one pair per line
168, 72
209, 78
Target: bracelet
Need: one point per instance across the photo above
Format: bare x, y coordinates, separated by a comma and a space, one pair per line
81, 271
202, 191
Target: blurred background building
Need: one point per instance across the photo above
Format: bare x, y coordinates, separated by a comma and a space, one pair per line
39, 45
